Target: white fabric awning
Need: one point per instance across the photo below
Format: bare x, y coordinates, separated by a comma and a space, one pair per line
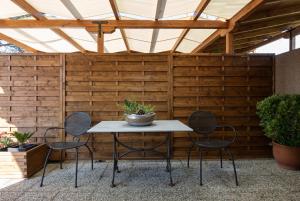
139, 40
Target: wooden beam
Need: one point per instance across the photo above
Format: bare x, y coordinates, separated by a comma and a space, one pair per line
201, 7
160, 9
40, 17
17, 43
212, 38
229, 43
100, 40
128, 24
244, 12
115, 9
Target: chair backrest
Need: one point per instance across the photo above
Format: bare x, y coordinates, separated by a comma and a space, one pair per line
203, 122
77, 123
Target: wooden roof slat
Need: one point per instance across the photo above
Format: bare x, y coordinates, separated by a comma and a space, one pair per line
248, 48
17, 43
39, 16
269, 23
201, 7
243, 13
265, 30
117, 16
160, 9
277, 27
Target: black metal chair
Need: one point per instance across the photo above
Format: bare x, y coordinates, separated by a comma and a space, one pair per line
76, 125
204, 123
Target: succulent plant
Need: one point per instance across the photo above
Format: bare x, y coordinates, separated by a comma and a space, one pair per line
133, 107
6, 141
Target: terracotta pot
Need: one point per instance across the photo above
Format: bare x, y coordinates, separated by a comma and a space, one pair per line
287, 157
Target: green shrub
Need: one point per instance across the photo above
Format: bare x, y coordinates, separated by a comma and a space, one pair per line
280, 118
133, 107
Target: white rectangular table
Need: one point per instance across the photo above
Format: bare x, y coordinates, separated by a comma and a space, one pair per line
159, 126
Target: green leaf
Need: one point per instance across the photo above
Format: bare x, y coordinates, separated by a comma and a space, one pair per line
132, 107
22, 137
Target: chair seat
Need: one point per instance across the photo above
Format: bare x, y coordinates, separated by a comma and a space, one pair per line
213, 143
65, 145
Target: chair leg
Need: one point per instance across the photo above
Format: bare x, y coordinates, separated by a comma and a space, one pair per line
76, 171
221, 158
189, 155
233, 164
91, 154
61, 158
45, 165
200, 167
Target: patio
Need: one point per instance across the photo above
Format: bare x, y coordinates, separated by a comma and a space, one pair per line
154, 83
147, 180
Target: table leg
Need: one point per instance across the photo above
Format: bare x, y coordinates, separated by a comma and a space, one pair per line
169, 168
115, 160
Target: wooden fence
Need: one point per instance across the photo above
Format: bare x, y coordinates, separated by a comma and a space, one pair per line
37, 91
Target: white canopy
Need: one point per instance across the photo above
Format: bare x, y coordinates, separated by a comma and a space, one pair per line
139, 40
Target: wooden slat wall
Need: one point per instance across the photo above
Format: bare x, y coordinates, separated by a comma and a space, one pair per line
30, 90
229, 86
96, 84
38, 89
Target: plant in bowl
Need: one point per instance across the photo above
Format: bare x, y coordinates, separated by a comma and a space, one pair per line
280, 119
22, 138
137, 114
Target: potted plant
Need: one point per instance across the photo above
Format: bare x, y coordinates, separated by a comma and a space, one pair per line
22, 138
22, 160
137, 114
280, 119
5, 142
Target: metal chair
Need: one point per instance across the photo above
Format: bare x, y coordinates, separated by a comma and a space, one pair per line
204, 123
76, 125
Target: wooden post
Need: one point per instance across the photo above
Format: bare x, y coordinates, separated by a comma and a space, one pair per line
100, 40
229, 43
292, 40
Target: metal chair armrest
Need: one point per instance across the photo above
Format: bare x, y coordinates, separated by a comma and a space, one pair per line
48, 129
233, 129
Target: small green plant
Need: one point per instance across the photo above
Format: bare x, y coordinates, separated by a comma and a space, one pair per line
6, 142
280, 118
133, 107
22, 138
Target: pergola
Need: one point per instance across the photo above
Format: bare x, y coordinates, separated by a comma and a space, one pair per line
118, 26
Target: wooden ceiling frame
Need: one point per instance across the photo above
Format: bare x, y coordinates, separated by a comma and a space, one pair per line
160, 9
286, 34
244, 12
40, 17
116, 12
109, 25
17, 43
201, 7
